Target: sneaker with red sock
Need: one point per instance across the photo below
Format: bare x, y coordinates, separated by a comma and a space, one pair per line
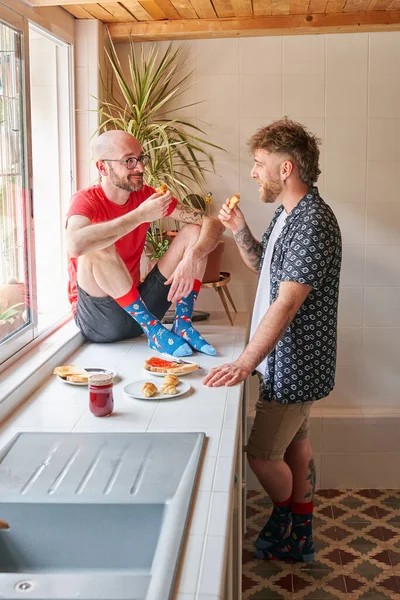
277, 526
299, 544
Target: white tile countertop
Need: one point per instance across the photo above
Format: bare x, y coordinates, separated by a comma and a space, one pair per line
58, 406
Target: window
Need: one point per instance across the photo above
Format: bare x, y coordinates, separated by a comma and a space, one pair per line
16, 299
36, 122
51, 135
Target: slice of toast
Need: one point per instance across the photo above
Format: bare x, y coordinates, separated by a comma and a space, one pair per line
180, 369
160, 365
77, 378
65, 370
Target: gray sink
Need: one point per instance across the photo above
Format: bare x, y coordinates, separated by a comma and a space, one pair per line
95, 516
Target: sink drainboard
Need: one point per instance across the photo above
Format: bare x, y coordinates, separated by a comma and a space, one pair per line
94, 516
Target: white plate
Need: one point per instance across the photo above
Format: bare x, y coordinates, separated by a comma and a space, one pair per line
135, 390
91, 371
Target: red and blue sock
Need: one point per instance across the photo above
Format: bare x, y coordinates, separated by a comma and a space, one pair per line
299, 544
183, 322
159, 337
277, 526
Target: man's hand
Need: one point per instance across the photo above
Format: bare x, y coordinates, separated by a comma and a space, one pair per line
155, 207
182, 279
232, 219
228, 374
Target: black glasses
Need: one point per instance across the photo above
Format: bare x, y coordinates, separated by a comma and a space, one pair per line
131, 162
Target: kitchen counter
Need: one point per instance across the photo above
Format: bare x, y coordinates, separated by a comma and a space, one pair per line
58, 406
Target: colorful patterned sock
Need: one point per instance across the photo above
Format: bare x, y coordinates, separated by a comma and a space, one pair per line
299, 545
159, 337
183, 322
277, 527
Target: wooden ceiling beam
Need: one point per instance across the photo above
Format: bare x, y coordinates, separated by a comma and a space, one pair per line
273, 25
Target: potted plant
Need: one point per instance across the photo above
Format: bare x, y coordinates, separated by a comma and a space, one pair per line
137, 102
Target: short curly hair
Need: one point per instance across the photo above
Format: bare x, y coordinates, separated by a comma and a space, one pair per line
291, 138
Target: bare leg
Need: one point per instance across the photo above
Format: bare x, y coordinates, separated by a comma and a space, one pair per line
185, 239
103, 273
276, 478
299, 458
274, 475
299, 545
182, 325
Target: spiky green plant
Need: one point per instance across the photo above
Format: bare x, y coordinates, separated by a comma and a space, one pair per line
179, 157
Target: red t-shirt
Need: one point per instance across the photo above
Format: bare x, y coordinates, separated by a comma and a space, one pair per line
94, 204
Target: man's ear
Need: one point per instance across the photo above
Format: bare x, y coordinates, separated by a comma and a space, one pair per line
102, 167
287, 168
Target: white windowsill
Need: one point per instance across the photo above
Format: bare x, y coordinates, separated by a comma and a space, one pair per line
25, 375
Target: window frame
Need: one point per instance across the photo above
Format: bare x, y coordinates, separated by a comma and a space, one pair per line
20, 342
25, 335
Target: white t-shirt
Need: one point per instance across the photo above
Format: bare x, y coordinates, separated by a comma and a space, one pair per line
262, 301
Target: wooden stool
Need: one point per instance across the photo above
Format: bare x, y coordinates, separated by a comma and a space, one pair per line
220, 287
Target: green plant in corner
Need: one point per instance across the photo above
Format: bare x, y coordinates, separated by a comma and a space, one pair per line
180, 157
8, 315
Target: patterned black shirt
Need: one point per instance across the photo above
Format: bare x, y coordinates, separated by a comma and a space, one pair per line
309, 250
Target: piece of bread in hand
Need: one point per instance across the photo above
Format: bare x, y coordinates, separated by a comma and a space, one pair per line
162, 189
65, 370
233, 200
160, 365
171, 380
149, 389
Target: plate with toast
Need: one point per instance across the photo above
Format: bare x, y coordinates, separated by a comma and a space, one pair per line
161, 366
75, 375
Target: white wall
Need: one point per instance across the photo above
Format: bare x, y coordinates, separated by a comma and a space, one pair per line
46, 177
89, 52
346, 89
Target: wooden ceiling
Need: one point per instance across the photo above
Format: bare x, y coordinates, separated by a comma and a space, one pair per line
191, 19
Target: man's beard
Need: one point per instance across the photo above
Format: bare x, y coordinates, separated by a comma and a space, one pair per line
126, 184
271, 191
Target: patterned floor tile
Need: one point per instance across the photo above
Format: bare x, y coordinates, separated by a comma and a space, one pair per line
320, 594
368, 570
373, 594
394, 557
357, 538
268, 594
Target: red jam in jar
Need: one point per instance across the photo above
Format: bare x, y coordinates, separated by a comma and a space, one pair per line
101, 401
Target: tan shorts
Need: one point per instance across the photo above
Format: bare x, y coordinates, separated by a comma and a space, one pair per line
275, 426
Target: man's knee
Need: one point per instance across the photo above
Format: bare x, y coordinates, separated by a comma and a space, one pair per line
103, 254
259, 465
298, 450
190, 231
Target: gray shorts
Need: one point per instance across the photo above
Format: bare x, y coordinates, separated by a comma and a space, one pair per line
103, 320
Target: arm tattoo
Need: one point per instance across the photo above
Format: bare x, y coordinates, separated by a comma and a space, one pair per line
186, 214
312, 478
249, 247
274, 342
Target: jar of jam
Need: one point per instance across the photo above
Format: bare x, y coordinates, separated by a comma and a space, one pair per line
101, 400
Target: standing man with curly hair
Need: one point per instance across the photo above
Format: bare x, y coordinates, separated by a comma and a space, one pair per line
292, 345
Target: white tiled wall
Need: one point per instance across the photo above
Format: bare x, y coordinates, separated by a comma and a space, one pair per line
89, 41
346, 89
